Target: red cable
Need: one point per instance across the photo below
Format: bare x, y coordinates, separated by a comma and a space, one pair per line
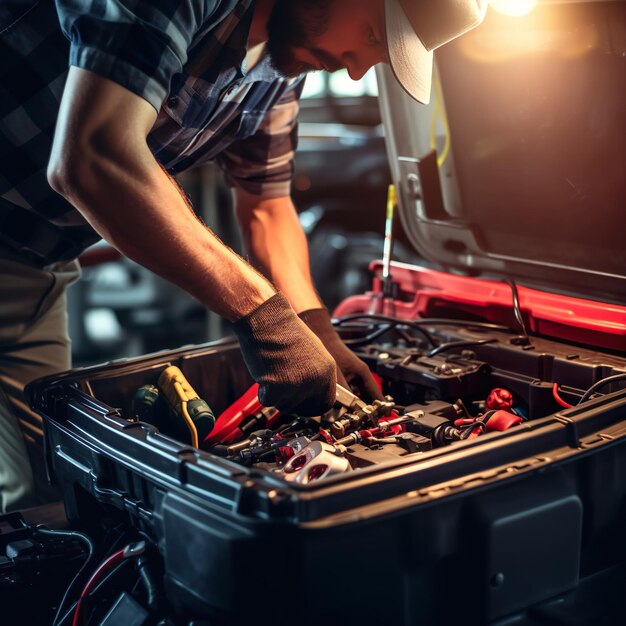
105, 567
557, 397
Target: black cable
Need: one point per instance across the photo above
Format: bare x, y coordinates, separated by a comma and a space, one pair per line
446, 321
151, 584
517, 310
394, 321
444, 347
600, 383
417, 325
90, 551
369, 338
466, 431
426, 321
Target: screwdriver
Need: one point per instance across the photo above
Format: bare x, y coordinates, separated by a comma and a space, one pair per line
185, 403
383, 302
388, 243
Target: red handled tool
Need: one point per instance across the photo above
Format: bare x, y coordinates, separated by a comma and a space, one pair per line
227, 425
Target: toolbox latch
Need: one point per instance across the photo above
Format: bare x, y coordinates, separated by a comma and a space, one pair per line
120, 501
571, 428
531, 543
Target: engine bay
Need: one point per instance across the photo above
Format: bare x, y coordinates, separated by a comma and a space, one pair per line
445, 381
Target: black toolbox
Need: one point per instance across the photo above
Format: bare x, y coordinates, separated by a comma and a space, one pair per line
499, 523
519, 526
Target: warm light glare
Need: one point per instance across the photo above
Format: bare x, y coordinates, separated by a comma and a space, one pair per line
500, 46
513, 7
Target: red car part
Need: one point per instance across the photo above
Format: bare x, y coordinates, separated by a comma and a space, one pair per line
423, 290
499, 399
493, 420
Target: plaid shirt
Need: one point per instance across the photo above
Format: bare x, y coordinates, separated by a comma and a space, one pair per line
186, 58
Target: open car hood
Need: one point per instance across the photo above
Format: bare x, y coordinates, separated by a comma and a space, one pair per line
517, 167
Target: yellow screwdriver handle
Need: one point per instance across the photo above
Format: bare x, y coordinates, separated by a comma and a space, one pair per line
185, 403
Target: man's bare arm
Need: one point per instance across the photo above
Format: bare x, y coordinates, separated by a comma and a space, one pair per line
277, 246
102, 164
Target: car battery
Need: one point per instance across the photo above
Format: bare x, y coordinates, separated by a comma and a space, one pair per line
489, 486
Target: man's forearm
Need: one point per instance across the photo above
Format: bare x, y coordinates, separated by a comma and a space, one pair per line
147, 219
277, 247
129, 200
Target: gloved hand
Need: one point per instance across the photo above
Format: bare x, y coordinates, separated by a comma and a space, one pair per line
294, 371
349, 367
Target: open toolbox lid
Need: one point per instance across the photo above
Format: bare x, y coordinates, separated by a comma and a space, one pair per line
517, 168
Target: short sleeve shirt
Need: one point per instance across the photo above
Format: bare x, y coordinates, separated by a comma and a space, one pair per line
187, 59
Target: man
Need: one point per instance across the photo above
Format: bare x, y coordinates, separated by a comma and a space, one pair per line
153, 89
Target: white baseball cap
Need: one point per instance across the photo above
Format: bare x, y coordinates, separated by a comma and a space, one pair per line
417, 27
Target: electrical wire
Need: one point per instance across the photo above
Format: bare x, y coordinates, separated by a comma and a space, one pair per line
451, 345
68, 614
132, 550
558, 399
600, 383
355, 343
95, 591
516, 307
426, 321
107, 541
414, 324
445, 321
467, 430
104, 568
90, 551
392, 321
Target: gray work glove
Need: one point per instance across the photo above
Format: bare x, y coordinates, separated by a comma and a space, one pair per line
294, 371
349, 367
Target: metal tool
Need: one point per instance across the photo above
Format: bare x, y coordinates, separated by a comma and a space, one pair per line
350, 412
344, 401
317, 460
388, 243
384, 302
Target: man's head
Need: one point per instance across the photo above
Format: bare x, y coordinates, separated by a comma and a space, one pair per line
308, 35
